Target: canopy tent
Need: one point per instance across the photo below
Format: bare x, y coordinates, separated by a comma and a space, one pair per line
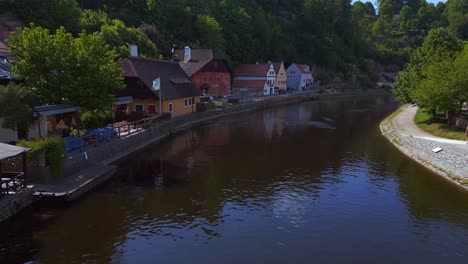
9, 151
123, 100
56, 109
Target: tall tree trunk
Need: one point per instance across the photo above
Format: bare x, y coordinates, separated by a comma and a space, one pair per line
434, 115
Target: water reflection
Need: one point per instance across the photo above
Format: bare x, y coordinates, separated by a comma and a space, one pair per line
256, 188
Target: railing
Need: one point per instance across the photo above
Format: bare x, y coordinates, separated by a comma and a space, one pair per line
11, 182
126, 128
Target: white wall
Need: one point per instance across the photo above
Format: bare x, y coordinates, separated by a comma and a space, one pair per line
7, 135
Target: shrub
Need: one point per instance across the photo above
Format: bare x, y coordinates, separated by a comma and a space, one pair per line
95, 119
54, 148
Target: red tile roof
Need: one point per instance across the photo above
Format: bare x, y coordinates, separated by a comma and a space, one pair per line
251, 69
303, 68
248, 84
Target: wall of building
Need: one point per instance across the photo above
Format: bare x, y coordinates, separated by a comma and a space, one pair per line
281, 78
219, 82
8, 135
178, 106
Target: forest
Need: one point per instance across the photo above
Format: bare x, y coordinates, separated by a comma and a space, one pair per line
347, 42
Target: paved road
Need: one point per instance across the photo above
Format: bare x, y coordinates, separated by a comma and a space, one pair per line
404, 121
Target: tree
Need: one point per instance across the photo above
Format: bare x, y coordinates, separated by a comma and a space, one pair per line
58, 68
457, 16
118, 36
209, 33
439, 45
16, 108
50, 14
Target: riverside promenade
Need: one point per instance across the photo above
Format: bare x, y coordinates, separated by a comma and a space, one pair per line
451, 162
84, 171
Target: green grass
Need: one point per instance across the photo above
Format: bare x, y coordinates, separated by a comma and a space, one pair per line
437, 128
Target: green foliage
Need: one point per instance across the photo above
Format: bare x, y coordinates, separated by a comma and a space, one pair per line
51, 14
16, 108
456, 13
60, 68
95, 118
54, 148
209, 33
117, 35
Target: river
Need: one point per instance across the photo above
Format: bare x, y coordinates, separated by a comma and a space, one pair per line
313, 182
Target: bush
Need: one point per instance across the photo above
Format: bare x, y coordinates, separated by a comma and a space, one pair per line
96, 119
54, 148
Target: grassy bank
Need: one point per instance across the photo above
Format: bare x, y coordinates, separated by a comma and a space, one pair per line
438, 127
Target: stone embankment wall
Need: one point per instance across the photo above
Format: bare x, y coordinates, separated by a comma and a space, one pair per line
14, 203
449, 163
119, 148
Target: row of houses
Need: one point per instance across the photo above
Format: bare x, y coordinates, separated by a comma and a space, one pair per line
212, 75
155, 87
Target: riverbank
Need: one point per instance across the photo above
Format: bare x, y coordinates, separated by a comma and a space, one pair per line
451, 162
84, 171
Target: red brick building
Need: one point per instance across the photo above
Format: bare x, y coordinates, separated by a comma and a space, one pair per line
207, 70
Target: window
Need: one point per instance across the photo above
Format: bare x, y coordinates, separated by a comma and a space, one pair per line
185, 100
170, 107
189, 101
139, 108
193, 101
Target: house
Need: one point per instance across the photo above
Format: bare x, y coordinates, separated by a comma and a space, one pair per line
254, 80
148, 80
299, 77
207, 70
281, 77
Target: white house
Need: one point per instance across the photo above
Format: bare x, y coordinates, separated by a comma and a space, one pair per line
299, 77
254, 79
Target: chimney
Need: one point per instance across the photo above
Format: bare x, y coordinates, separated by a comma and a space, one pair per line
187, 54
134, 50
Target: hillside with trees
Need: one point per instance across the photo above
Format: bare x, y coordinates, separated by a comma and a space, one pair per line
351, 41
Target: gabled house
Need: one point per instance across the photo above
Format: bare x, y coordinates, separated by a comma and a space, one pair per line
281, 77
207, 70
147, 80
299, 77
254, 80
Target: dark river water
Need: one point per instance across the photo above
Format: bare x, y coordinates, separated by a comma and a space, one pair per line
308, 183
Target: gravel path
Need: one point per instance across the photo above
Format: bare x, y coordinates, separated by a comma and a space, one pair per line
451, 162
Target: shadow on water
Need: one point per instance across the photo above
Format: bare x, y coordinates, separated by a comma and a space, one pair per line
272, 186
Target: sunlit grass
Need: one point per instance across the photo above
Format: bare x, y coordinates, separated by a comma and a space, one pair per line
438, 127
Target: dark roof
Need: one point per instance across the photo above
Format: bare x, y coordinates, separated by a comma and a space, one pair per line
140, 73
199, 58
47, 110
252, 69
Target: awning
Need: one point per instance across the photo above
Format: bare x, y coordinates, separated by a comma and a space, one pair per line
56, 109
8, 151
123, 100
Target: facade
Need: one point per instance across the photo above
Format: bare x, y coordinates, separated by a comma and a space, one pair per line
281, 77
147, 80
207, 70
299, 77
254, 80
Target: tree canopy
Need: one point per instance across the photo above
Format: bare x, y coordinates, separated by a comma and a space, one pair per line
60, 68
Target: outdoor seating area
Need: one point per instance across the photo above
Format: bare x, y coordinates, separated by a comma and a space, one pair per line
11, 178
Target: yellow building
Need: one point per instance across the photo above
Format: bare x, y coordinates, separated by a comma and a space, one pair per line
281, 77
148, 80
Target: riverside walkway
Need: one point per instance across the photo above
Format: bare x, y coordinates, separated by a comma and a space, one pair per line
451, 162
